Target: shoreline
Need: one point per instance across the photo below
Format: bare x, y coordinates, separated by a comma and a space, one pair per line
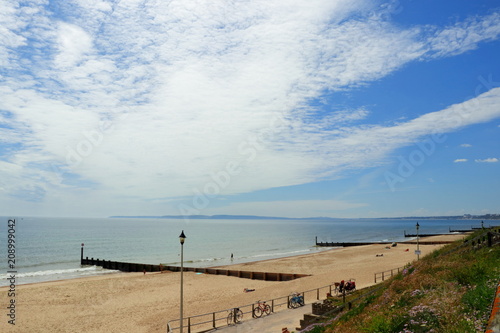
411, 241
108, 272
136, 302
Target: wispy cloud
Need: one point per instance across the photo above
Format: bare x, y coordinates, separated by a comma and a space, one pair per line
460, 160
150, 100
487, 160
465, 145
464, 36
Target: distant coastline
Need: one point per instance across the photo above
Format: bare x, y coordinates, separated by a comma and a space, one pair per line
255, 217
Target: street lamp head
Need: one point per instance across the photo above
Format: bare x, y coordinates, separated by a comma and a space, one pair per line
182, 237
418, 225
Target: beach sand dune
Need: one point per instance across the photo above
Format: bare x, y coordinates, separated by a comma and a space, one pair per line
134, 302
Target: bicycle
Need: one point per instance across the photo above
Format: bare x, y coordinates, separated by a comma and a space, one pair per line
261, 308
296, 301
235, 316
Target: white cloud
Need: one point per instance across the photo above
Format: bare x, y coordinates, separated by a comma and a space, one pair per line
73, 44
465, 145
487, 160
96, 5
465, 36
150, 100
460, 160
13, 19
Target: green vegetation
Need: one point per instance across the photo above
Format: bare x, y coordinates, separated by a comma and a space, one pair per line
450, 290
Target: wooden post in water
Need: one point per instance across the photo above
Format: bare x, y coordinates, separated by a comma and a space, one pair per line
81, 255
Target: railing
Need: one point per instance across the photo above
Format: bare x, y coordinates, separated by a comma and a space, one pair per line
217, 319
337, 309
387, 274
490, 238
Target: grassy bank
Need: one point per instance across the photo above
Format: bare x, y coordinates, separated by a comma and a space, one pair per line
450, 290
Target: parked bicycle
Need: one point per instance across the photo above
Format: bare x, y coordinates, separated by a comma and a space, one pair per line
235, 316
296, 300
261, 308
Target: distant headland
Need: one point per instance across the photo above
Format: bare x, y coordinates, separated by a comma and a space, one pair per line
256, 217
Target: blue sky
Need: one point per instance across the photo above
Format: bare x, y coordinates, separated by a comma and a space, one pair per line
277, 108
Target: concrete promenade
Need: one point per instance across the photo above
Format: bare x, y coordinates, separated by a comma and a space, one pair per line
273, 323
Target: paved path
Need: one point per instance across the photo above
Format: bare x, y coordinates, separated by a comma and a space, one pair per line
273, 323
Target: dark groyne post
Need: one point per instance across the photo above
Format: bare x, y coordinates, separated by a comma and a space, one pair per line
81, 255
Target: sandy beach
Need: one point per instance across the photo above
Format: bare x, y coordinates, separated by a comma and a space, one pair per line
134, 302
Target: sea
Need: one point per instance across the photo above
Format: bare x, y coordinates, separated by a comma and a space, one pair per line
48, 249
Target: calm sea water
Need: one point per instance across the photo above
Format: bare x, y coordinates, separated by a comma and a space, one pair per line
49, 248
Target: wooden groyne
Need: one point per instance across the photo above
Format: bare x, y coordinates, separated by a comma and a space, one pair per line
122, 266
459, 230
482, 227
427, 242
137, 267
346, 244
487, 228
424, 235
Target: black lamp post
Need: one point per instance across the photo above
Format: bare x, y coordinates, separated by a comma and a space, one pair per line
418, 249
182, 238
